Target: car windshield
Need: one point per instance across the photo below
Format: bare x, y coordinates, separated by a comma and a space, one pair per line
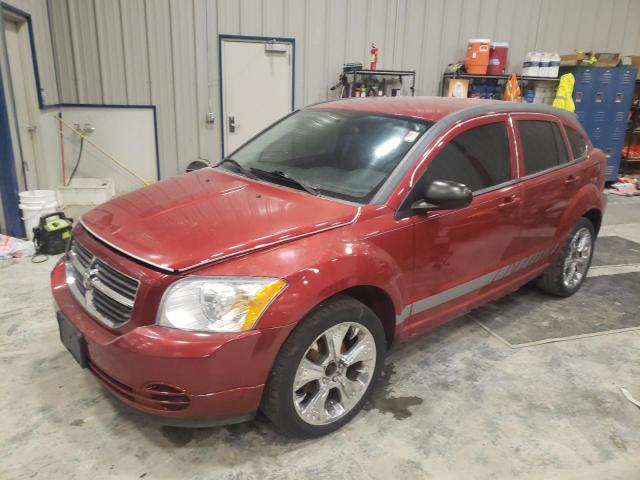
337, 153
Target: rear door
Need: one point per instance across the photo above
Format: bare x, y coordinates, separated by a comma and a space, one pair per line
549, 178
459, 252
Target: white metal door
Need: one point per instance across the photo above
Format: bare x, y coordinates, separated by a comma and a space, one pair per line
257, 87
25, 102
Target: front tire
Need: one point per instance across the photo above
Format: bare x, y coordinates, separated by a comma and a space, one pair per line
567, 274
326, 369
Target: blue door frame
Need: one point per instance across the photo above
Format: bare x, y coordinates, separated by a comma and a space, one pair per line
8, 174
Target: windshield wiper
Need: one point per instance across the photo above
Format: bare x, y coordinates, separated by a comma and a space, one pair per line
246, 172
312, 189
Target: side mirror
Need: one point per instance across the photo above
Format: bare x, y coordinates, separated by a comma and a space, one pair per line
443, 195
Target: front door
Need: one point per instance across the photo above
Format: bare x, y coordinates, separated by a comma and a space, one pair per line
23, 102
257, 87
459, 254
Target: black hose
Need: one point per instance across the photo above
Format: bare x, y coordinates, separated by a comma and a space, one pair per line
73, 172
39, 257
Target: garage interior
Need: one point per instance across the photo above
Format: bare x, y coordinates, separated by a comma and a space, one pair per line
102, 97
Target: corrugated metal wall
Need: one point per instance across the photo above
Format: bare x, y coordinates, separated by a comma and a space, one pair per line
164, 52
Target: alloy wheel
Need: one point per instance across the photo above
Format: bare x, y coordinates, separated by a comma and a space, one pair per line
334, 373
577, 261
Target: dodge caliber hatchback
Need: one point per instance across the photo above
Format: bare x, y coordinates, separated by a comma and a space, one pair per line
278, 279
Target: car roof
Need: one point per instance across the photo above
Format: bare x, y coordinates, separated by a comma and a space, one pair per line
434, 109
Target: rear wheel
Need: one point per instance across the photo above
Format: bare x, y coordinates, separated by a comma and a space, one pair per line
567, 274
326, 369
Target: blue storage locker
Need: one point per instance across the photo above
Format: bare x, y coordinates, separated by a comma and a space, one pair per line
603, 96
583, 92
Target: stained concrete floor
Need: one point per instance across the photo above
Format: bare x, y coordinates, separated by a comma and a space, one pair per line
458, 403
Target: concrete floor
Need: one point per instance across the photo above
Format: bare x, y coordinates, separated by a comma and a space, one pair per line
458, 403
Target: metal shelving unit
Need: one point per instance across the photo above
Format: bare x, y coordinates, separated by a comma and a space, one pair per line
632, 163
520, 78
362, 74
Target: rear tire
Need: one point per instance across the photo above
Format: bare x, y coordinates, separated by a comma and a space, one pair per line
326, 369
567, 274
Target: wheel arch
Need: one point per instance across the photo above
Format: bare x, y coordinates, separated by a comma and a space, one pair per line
594, 215
588, 202
379, 302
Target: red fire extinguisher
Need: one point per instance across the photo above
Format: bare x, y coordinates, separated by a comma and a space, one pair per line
374, 56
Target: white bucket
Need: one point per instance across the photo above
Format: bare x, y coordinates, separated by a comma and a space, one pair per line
37, 197
34, 204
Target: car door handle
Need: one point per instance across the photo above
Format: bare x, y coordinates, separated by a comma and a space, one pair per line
571, 179
509, 202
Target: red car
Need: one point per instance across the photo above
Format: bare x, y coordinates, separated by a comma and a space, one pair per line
278, 279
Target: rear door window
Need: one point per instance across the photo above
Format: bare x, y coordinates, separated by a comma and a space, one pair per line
542, 145
577, 142
479, 157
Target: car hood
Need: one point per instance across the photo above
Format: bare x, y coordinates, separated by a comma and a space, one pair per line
209, 215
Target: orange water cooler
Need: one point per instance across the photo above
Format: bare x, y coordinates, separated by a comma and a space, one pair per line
477, 59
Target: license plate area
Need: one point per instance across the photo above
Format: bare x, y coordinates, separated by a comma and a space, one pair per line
72, 339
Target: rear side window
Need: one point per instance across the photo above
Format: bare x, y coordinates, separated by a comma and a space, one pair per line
479, 157
578, 145
542, 145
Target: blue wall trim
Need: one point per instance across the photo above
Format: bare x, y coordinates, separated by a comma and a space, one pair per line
8, 178
223, 37
8, 174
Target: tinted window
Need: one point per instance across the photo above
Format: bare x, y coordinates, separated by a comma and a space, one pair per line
542, 145
479, 158
343, 154
578, 145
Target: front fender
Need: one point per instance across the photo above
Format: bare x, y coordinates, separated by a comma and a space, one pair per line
320, 266
336, 269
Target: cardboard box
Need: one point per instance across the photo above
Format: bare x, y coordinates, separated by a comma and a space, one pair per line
607, 59
635, 61
574, 59
457, 87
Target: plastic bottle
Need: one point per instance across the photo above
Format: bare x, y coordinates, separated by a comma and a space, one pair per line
554, 68
374, 57
526, 64
545, 65
536, 58
529, 95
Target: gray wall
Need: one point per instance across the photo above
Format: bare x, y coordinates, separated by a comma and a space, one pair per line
164, 52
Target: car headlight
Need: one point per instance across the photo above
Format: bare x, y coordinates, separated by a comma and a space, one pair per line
218, 304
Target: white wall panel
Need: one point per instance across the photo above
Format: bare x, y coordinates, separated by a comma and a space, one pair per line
273, 18
126, 133
631, 38
84, 44
161, 81
136, 53
251, 17
295, 24
111, 51
207, 84
168, 50
184, 81
59, 22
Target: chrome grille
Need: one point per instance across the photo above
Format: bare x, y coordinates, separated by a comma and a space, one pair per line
106, 293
